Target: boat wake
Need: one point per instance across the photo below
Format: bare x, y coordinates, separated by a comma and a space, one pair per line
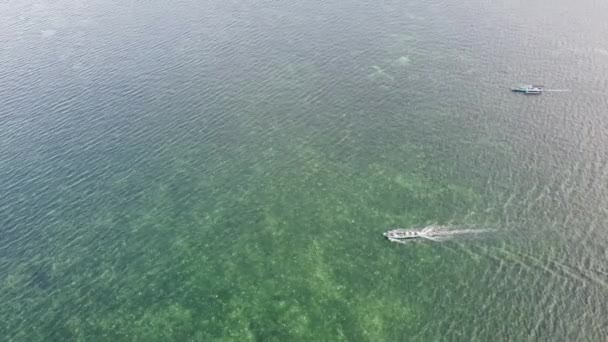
432, 232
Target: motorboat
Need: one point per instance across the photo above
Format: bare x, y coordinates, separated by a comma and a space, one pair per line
529, 89
402, 234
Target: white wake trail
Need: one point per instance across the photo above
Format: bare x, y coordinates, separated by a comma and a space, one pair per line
436, 233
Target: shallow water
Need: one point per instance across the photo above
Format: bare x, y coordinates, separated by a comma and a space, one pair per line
225, 170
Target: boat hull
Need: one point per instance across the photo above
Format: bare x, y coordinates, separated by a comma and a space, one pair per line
529, 89
402, 234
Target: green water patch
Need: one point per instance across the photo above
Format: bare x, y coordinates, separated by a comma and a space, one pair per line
281, 244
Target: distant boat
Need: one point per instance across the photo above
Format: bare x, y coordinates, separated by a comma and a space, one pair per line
529, 89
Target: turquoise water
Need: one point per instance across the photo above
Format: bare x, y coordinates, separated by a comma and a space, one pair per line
209, 171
